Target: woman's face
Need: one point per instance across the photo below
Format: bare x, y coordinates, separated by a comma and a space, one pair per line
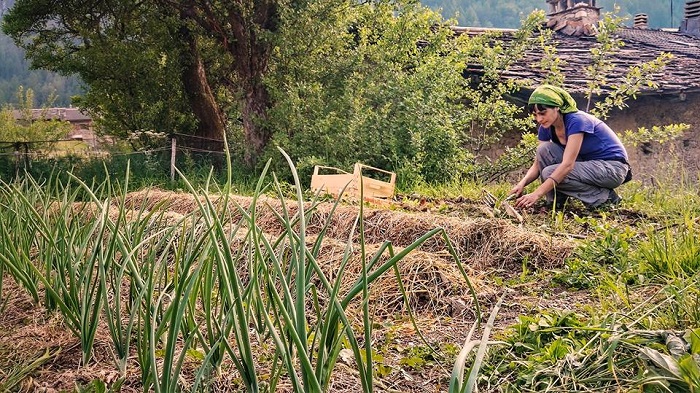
546, 117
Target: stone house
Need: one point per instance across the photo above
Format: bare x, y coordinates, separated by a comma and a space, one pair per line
676, 99
82, 125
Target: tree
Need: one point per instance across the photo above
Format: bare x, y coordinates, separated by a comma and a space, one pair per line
245, 30
136, 50
384, 84
142, 67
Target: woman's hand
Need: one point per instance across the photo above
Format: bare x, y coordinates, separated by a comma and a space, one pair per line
517, 190
527, 200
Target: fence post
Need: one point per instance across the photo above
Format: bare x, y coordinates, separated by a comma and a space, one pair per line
173, 153
18, 158
27, 163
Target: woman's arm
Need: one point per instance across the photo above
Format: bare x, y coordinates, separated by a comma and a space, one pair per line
529, 177
573, 146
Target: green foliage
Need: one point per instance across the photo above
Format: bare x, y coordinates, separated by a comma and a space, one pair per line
487, 116
388, 103
610, 246
602, 66
125, 53
549, 61
417, 357
380, 82
564, 351
29, 127
361, 90
636, 77
657, 134
672, 251
604, 258
189, 295
602, 55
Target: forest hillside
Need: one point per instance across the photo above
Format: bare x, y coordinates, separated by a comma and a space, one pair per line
507, 13
50, 89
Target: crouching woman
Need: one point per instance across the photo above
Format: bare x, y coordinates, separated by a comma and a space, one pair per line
578, 155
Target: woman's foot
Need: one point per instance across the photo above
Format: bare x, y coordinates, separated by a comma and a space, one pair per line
613, 200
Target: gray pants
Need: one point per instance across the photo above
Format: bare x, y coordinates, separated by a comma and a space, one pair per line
592, 182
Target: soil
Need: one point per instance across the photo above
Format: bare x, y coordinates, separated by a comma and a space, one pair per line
504, 257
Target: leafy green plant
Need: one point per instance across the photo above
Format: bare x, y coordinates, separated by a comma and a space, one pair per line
417, 357
677, 369
564, 351
603, 258
673, 251
658, 134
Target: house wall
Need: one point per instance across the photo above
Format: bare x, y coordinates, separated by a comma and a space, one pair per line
670, 162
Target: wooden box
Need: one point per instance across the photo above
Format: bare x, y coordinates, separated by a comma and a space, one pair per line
334, 183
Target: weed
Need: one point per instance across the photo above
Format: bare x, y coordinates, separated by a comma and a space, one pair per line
673, 251
594, 261
417, 357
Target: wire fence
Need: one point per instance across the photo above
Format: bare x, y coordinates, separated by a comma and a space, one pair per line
22, 154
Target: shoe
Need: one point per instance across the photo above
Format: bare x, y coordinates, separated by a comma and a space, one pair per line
612, 201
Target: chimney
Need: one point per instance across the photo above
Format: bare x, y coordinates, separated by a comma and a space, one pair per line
641, 21
691, 24
573, 18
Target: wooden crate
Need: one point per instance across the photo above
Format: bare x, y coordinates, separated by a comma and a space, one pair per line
334, 183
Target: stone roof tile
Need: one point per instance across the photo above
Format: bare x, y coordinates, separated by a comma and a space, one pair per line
682, 74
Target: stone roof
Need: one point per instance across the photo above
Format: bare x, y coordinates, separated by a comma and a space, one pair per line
681, 75
72, 115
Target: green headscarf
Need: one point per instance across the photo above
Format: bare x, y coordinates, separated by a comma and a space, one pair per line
553, 96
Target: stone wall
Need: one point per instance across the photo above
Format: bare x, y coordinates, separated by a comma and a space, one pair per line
670, 162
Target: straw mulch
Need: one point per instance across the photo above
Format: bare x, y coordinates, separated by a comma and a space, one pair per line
431, 277
481, 243
432, 282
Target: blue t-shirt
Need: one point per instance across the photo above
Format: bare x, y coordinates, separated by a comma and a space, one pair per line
599, 141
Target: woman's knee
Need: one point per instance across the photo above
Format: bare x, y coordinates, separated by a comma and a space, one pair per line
547, 171
544, 148
549, 153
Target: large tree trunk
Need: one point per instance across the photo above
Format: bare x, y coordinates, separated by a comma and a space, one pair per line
211, 121
254, 114
252, 55
236, 25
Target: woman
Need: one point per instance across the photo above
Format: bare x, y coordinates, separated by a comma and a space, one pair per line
578, 156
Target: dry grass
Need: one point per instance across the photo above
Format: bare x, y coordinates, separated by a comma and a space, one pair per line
480, 242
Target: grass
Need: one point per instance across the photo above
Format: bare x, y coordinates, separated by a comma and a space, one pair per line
646, 277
